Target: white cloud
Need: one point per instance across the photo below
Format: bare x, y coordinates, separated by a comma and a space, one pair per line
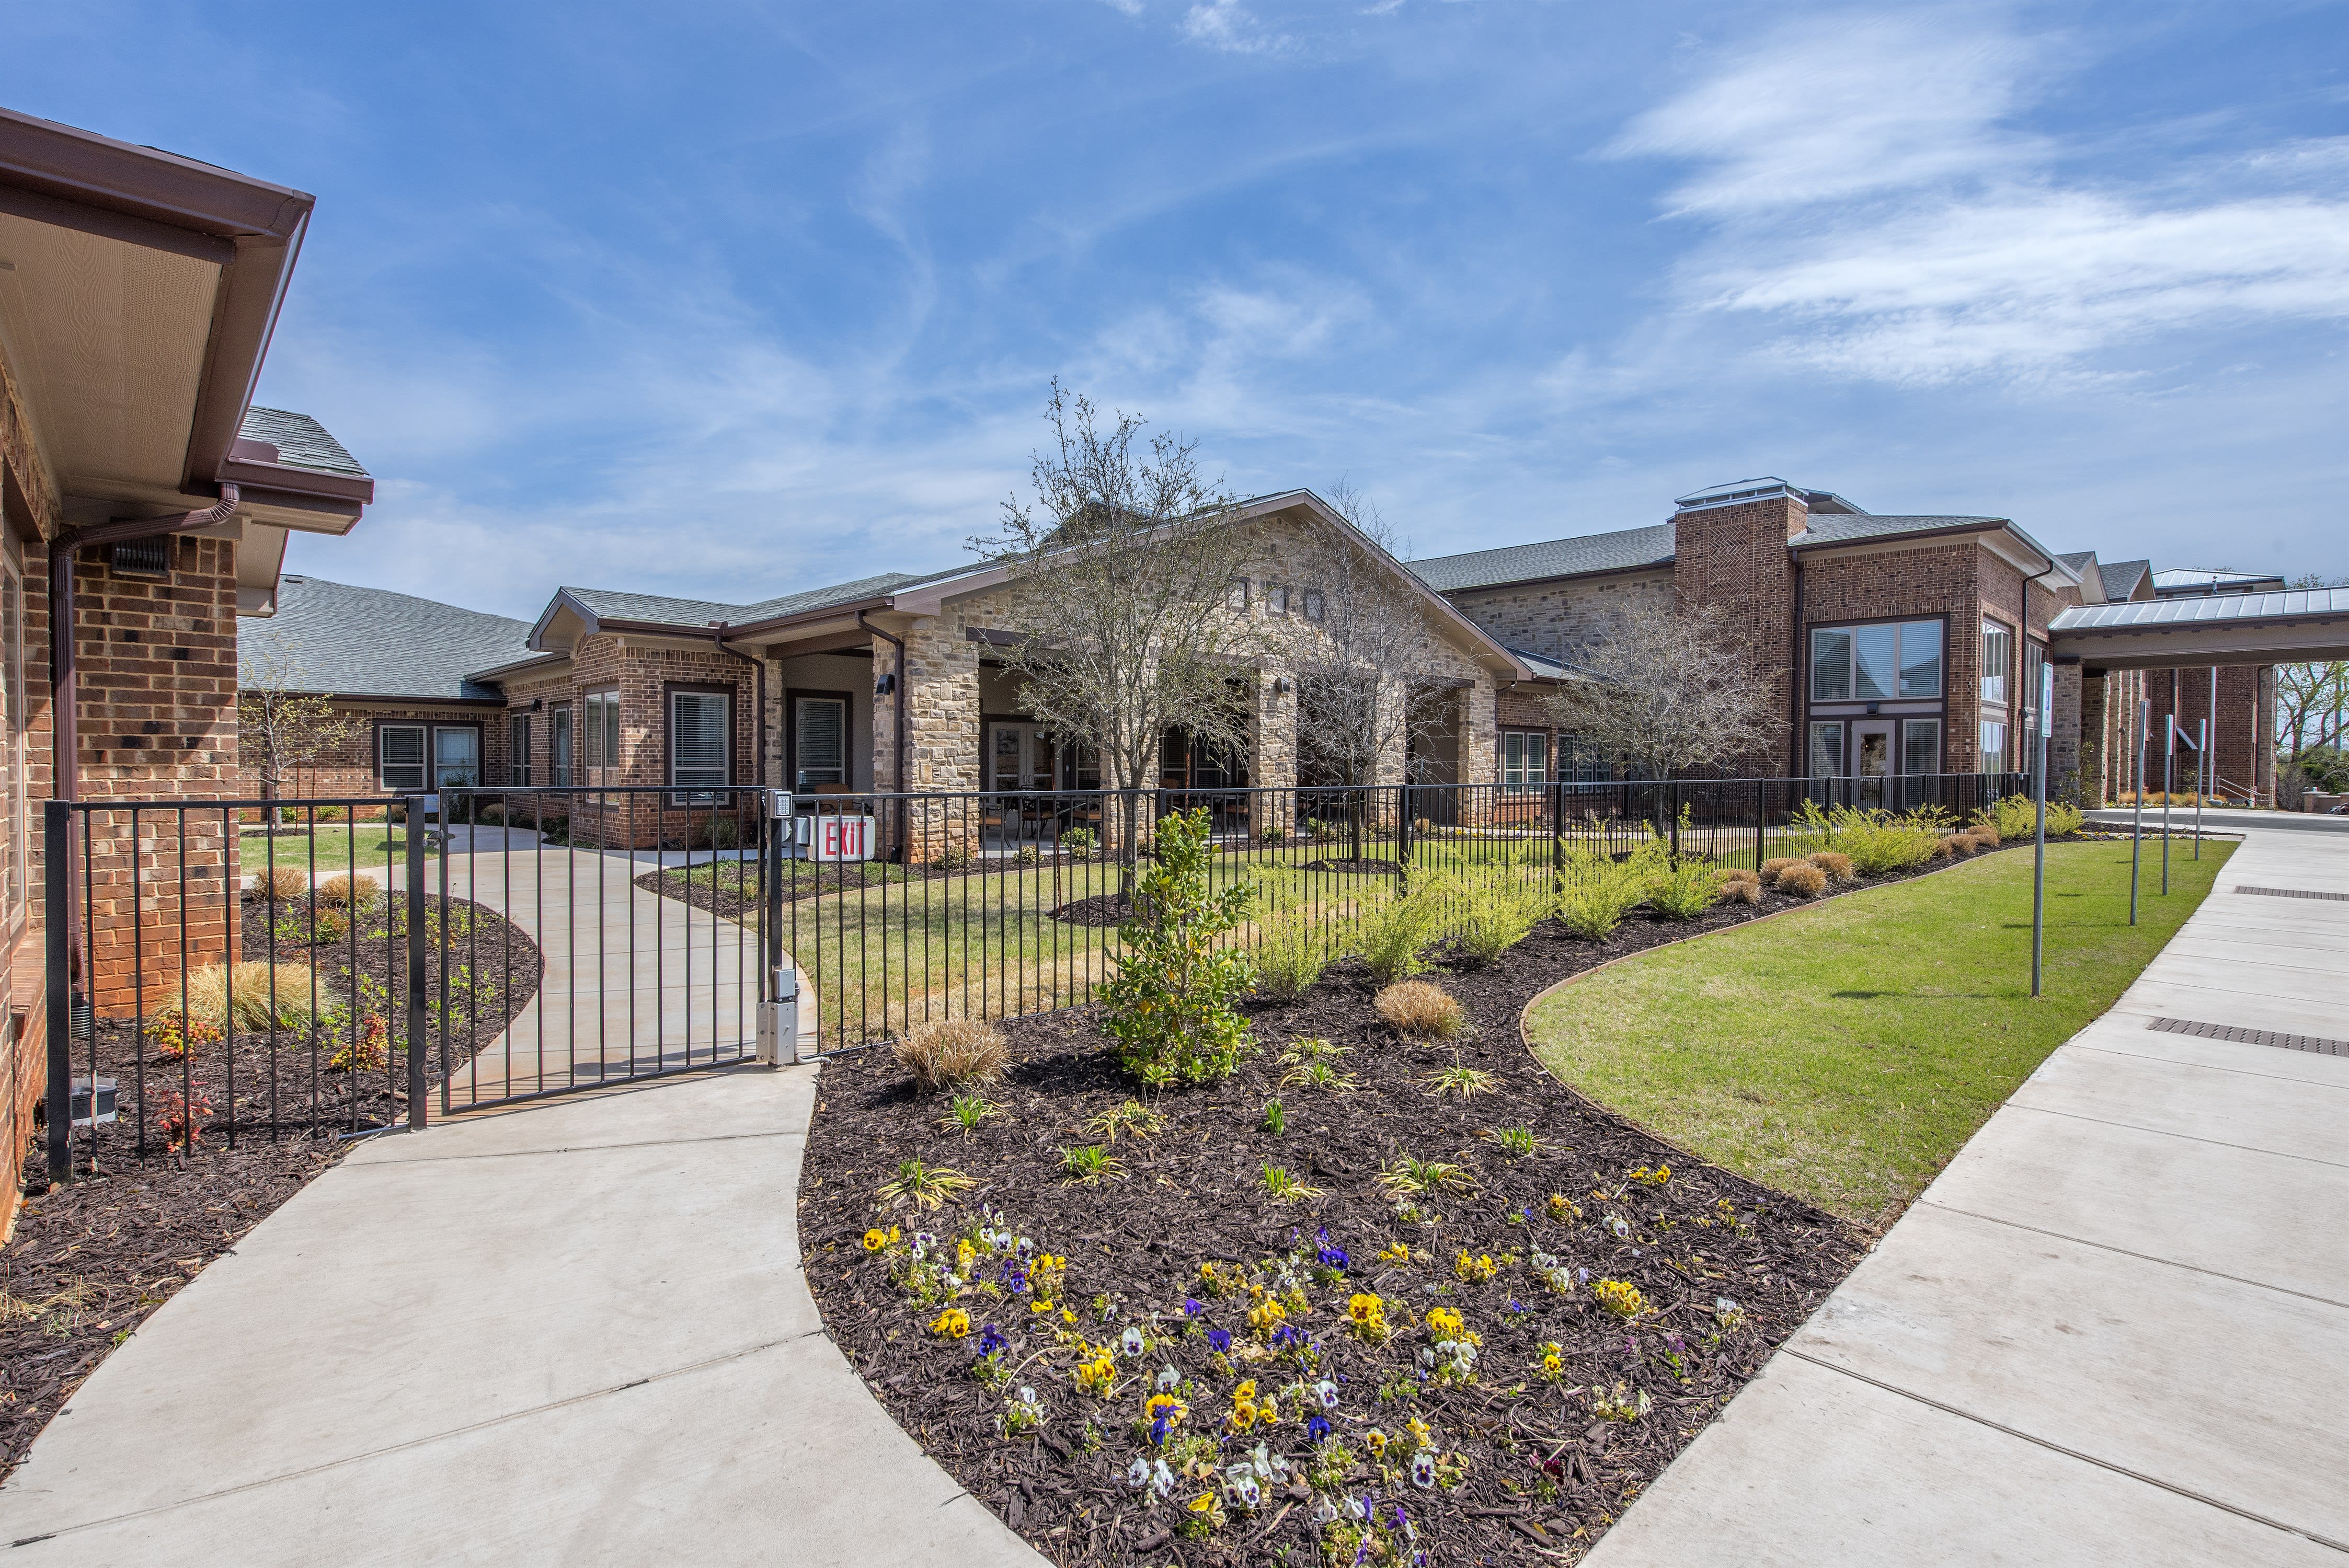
1869, 198
1230, 26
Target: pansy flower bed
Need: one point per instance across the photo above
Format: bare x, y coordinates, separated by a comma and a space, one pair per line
1370, 1300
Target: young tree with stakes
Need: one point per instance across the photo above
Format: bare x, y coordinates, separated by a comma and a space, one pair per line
278, 727
1128, 569
1667, 689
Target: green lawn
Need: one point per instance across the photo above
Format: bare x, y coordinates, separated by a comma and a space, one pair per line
332, 841
1845, 1052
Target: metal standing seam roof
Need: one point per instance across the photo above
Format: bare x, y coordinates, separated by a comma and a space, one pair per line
370, 642
2220, 609
301, 442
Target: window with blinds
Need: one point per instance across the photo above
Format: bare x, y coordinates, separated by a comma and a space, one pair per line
819, 743
700, 725
399, 755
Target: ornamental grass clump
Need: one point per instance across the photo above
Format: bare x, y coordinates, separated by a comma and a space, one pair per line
1170, 1005
1801, 880
948, 1053
1422, 1010
263, 995
1768, 875
1394, 934
1837, 865
1740, 887
343, 888
280, 884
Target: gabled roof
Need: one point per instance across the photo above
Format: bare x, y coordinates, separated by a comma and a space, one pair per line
301, 442
370, 642
2123, 578
1628, 548
596, 605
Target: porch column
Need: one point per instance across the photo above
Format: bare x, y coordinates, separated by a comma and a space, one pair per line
2095, 732
2067, 774
1272, 734
1480, 733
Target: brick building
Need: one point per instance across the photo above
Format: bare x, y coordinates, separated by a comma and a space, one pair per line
147, 505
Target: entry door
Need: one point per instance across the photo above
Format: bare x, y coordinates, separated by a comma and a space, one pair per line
1871, 758
1019, 756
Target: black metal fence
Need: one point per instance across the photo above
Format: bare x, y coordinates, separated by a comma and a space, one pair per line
232, 969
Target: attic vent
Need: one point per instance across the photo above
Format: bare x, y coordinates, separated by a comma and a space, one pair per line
141, 557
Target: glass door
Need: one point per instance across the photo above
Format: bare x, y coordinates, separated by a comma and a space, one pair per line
1871, 759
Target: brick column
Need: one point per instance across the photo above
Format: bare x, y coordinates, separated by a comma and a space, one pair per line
2095, 732
2066, 772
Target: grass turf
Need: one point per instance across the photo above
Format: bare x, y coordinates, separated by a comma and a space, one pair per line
333, 841
1845, 1052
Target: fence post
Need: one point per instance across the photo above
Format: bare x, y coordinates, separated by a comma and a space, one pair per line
1760, 823
1557, 836
418, 1015
1672, 808
1402, 838
57, 846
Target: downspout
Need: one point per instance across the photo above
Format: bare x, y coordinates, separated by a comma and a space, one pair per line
896, 697
64, 698
759, 670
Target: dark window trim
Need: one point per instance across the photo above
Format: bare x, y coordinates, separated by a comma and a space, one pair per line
791, 696
518, 768
1838, 622
732, 692
480, 748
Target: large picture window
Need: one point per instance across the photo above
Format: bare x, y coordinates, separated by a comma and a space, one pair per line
1887, 662
456, 757
700, 742
519, 745
1920, 746
1827, 751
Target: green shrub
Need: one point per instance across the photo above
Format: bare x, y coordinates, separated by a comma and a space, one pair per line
1293, 948
1686, 891
1877, 843
1169, 1005
1500, 914
1600, 892
2017, 817
1080, 843
1394, 931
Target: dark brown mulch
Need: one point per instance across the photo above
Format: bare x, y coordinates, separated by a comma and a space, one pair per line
1541, 1470
89, 1260
1357, 865
1108, 909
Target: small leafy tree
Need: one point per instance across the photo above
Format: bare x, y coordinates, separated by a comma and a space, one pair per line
278, 726
1169, 1005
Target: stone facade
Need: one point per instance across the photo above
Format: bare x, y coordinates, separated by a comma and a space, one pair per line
1559, 617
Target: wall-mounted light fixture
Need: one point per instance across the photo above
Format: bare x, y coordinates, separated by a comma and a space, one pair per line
1280, 684
886, 685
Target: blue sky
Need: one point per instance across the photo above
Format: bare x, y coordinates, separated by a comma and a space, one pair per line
729, 300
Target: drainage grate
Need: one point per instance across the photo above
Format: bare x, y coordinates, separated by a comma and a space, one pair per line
2320, 1046
2293, 892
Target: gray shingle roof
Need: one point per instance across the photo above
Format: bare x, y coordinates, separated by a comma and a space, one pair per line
368, 641
615, 604
1631, 547
2122, 577
301, 442
1835, 528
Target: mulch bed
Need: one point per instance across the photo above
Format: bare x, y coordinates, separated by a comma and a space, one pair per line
1539, 1466
90, 1261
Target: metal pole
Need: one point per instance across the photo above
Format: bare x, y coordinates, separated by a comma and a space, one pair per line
2039, 846
2136, 828
2203, 768
57, 846
2168, 751
418, 1015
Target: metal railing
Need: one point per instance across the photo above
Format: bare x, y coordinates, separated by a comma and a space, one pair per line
498, 944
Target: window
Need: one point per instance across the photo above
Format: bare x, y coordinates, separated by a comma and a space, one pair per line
1997, 655
600, 737
1920, 746
456, 757
399, 755
520, 752
1827, 751
1525, 758
819, 743
1276, 600
558, 745
1238, 598
1876, 663
1313, 603
1993, 746
700, 731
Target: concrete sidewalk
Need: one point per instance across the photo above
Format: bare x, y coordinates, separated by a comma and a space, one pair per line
575, 1334
2111, 1332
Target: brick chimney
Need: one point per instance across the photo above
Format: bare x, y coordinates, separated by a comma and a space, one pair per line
1729, 552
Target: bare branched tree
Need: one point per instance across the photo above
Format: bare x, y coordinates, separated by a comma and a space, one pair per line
1359, 669
1667, 690
278, 727
2311, 700
1124, 570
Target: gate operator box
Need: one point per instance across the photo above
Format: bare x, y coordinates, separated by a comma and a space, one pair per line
779, 1020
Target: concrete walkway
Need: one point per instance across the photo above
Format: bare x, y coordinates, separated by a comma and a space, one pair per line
572, 1335
2112, 1331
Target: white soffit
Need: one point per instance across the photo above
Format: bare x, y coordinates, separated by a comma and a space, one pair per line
107, 341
